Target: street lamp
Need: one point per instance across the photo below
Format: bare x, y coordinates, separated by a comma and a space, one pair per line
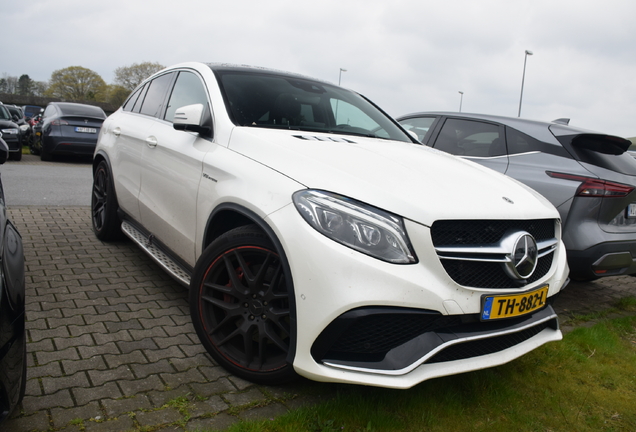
340, 75
461, 98
523, 77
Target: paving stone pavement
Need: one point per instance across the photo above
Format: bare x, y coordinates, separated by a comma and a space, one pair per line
111, 346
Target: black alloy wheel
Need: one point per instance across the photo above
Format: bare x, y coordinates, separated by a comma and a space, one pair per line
106, 223
239, 302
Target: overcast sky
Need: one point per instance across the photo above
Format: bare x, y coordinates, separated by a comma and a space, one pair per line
405, 55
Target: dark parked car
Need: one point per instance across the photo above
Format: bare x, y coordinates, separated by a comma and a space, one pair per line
588, 176
20, 119
69, 129
10, 133
12, 329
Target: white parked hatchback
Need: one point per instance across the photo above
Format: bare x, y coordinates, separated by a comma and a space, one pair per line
317, 237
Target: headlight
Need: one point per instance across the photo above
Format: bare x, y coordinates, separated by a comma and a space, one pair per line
24, 127
11, 131
357, 225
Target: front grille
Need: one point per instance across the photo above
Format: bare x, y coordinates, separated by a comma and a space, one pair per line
471, 270
482, 232
479, 274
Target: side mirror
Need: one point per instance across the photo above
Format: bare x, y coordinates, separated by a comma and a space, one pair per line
4, 151
195, 118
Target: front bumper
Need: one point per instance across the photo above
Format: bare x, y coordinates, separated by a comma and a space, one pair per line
13, 142
331, 280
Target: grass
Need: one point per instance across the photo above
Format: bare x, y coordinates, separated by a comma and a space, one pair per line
587, 382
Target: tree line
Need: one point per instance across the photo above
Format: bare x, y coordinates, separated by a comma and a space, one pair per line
77, 83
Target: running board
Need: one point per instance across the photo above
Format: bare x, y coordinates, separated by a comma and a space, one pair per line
175, 270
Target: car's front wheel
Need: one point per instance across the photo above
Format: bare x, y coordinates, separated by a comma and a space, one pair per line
106, 223
239, 302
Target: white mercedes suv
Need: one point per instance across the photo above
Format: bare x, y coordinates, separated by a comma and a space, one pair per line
317, 237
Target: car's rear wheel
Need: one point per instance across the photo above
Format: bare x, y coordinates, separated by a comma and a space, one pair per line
45, 155
16, 156
34, 146
106, 223
239, 302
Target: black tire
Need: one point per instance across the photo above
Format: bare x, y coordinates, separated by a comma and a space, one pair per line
45, 155
16, 156
106, 223
240, 308
33, 147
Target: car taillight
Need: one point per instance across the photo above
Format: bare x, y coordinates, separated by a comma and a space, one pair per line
592, 187
59, 122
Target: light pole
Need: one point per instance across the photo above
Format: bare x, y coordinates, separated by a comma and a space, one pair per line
461, 98
337, 100
340, 75
523, 78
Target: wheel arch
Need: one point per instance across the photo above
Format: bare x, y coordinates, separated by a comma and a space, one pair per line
229, 216
99, 157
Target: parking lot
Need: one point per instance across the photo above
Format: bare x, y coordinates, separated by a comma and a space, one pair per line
111, 345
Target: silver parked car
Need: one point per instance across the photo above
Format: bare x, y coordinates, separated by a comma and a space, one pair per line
588, 176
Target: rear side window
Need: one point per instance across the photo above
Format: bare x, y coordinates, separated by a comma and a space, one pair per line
188, 90
130, 103
156, 94
519, 142
471, 138
49, 111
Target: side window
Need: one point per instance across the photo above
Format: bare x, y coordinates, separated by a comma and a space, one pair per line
420, 126
188, 90
140, 99
49, 111
519, 142
471, 138
130, 103
156, 95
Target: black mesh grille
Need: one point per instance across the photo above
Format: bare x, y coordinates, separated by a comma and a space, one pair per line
485, 346
480, 274
378, 334
482, 232
490, 275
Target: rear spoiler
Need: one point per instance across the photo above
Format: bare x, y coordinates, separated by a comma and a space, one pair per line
605, 144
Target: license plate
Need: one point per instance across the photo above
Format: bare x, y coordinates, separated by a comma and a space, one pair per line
85, 130
631, 211
513, 305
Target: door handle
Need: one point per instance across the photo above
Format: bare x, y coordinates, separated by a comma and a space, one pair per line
151, 141
117, 131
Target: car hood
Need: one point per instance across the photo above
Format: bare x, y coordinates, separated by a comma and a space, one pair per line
411, 180
8, 124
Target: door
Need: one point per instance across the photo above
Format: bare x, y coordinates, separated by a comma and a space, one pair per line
172, 165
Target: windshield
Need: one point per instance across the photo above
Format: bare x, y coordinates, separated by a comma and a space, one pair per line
4, 113
266, 100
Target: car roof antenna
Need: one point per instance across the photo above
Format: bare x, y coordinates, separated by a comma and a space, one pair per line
565, 121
